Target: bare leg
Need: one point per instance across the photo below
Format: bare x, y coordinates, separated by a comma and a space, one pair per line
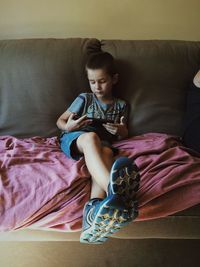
96, 190
102, 218
98, 161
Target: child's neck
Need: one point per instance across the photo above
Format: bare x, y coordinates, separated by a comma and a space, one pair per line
106, 100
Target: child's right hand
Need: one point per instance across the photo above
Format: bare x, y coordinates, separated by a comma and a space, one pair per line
74, 124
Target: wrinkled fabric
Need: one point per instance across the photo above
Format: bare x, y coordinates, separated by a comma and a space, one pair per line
41, 188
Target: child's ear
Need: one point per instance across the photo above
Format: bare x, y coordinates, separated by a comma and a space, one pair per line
115, 78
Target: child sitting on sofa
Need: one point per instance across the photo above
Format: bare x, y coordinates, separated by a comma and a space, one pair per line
89, 126
191, 136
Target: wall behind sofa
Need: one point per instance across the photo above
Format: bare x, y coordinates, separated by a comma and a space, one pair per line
110, 19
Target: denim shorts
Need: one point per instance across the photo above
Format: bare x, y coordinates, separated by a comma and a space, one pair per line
68, 145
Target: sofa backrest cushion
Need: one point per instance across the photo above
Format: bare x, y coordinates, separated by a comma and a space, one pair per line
154, 78
38, 80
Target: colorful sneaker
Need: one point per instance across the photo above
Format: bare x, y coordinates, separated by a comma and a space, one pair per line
102, 218
124, 182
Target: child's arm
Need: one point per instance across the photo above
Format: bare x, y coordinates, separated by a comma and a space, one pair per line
197, 79
68, 122
119, 129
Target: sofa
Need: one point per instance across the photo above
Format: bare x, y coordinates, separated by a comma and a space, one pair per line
40, 77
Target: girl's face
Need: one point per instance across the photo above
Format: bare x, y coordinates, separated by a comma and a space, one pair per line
101, 83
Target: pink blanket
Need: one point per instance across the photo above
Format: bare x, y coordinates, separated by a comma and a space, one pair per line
41, 188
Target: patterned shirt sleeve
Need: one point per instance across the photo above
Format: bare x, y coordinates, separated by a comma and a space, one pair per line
77, 105
124, 110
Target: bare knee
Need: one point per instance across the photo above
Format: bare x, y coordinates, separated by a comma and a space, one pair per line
88, 139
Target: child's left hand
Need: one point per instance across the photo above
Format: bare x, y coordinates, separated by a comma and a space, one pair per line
119, 129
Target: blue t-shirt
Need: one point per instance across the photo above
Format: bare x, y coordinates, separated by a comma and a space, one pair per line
88, 104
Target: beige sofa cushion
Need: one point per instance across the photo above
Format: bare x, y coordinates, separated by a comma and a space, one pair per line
154, 78
38, 80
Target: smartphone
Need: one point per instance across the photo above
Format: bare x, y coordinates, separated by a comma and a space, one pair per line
99, 122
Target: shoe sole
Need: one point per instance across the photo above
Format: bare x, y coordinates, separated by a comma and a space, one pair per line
124, 181
110, 218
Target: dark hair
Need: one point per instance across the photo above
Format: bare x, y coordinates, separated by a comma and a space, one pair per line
101, 60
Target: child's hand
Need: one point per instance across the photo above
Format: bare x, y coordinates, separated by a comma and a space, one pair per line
76, 124
119, 129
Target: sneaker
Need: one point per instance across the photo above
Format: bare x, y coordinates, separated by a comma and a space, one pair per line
102, 218
124, 182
